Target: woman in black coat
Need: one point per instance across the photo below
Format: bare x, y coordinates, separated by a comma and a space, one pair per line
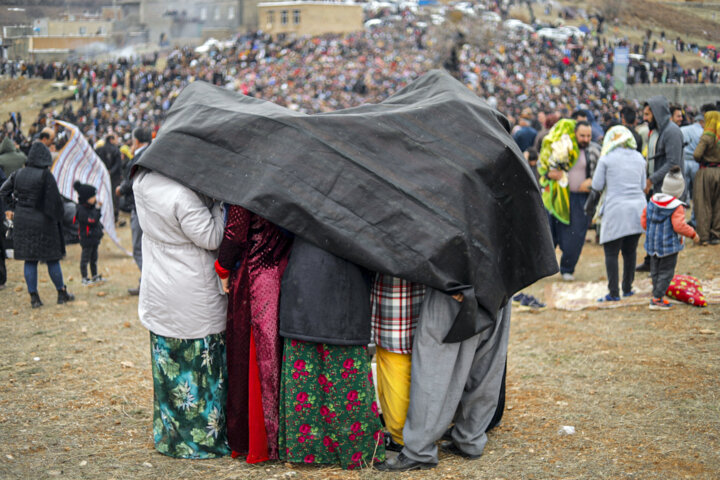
328, 413
34, 203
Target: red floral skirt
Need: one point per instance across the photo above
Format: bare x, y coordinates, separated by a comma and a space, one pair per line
328, 412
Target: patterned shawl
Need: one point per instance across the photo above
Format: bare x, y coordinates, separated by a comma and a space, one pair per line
618, 136
712, 124
556, 197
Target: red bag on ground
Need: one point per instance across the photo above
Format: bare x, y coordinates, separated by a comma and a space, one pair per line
686, 289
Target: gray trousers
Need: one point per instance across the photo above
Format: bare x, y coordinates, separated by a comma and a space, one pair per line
662, 271
136, 238
452, 382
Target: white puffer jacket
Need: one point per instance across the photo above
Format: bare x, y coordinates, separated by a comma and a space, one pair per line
180, 294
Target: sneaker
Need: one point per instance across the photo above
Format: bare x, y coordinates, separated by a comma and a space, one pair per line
87, 282
518, 299
531, 303
629, 294
98, 279
659, 304
608, 298
568, 277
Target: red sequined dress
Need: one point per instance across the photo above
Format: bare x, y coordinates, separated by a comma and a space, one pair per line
254, 254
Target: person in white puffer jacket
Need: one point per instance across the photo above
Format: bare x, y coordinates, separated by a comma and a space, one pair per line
183, 305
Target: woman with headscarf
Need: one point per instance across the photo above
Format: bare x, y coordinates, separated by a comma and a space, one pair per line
183, 306
36, 207
706, 190
621, 173
328, 412
251, 261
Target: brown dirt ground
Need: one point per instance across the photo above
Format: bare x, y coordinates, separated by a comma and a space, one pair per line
28, 97
640, 388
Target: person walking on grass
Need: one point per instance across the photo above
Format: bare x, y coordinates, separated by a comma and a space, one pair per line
664, 222
621, 174
34, 203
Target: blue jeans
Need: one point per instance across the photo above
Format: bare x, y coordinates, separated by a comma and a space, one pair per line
690, 168
571, 238
31, 275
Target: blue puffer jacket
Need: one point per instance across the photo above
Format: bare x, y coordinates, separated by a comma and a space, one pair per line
661, 240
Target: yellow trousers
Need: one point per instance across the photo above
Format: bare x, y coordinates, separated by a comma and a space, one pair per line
393, 383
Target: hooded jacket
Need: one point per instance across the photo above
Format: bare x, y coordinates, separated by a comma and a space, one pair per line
669, 147
32, 193
89, 228
11, 159
664, 223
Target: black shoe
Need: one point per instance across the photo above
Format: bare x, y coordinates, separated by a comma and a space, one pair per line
134, 291
122, 223
643, 267
450, 447
64, 296
391, 444
35, 301
447, 436
401, 463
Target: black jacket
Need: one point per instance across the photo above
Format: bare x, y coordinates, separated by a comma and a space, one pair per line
33, 195
126, 185
110, 155
324, 298
89, 228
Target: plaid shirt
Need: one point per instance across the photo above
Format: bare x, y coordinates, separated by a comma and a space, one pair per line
395, 311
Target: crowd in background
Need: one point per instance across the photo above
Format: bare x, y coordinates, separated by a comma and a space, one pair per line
512, 69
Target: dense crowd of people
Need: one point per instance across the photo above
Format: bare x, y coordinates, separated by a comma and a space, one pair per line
512, 69
239, 369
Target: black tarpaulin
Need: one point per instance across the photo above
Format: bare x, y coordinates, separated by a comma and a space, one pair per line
427, 185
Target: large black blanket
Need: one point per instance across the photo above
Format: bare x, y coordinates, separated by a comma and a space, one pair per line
427, 185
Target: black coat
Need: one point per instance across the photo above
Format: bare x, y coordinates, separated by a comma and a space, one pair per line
87, 221
324, 298
126, 186
110, 155
33, 195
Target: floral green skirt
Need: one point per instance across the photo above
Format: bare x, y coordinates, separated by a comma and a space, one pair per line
328, 412
189, 392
